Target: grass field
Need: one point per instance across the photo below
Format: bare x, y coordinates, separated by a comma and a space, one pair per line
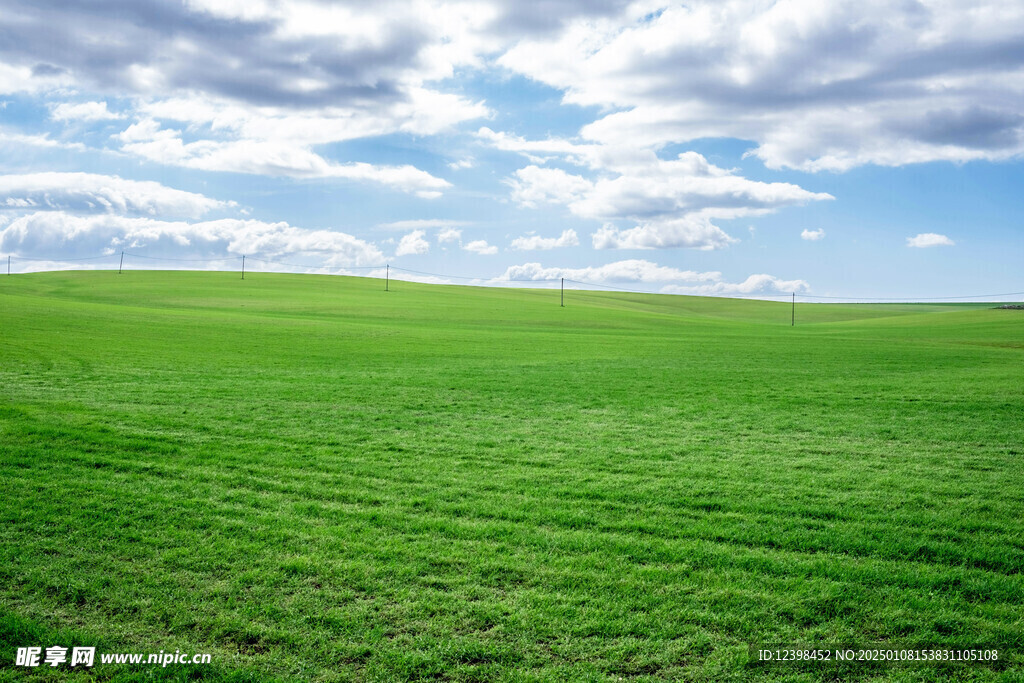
313, 479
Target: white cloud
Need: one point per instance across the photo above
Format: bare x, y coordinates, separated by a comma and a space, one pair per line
537, 151
413, 243
426, 112
818, 86
812, 235
43, 141
693, 233
272, 158
534, 185
396, 273
101, 193
688, 186
146, 130
420, 224
481, 247
15, 78
672, 202
630, 270
303, 54
84, 111
449, 235
406, 178
568, 238
640, 271
278, 139
755, 284
62, 235
929, 239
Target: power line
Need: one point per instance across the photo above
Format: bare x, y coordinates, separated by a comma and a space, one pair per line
183, 260
615, 287
494, 281
454, 277
63, 260
463, 277
708, 294
911, 299
299, 265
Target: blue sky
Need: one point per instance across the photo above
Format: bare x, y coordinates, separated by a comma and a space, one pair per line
729, 148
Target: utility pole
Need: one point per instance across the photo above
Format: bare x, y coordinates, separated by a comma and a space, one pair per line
563, 292
792, 320
121, 264
243, 266
8, 264
387, 277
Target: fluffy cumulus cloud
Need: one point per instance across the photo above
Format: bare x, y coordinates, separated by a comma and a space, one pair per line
534, 185
813, 235
694, 233
413, 243
753, 285
83, 111
449, 235
643, 272
929, 239
817, 86
89, 192
568, 238
670, 202
630, 270
87, 236
481, 247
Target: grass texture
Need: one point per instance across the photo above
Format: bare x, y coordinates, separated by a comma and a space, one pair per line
313, 479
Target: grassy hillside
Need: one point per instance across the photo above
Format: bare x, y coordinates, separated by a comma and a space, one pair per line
313, 479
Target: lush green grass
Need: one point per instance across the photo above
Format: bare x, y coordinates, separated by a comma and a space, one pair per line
314, 479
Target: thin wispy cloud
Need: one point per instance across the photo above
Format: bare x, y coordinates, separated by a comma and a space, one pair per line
481, 247
83, 111
420, 224
929, 239
568, 238
91, 192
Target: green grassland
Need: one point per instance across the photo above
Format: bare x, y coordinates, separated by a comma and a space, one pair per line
313, 479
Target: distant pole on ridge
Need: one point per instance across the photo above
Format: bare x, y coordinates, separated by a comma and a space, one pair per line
792, 319
243, 266
121, 264
563, 292
387, 277
8, 264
